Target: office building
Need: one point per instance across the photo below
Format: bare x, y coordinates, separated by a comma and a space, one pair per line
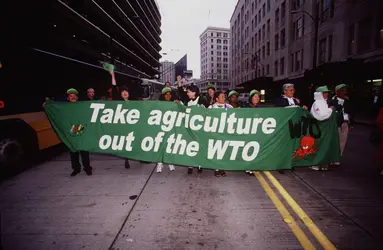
215, 49
167, 72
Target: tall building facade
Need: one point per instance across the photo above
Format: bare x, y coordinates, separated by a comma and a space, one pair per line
215, 63
181, 66
285, 39
167, 72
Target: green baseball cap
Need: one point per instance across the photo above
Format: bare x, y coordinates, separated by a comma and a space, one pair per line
71, 91
233, 92
322, 89
166, 90
211, 86
253, 92
340, 86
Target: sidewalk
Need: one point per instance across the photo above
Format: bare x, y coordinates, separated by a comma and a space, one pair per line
364, 120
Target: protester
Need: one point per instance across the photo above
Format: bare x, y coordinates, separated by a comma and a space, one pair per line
191, 97
379, 124
166, 96
321, 111
72, 96
210, 94
233, 99
90, 95
118, 93
254, 99
288, 99
341, 105
220, 102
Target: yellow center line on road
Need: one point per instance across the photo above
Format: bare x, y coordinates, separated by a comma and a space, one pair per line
322, 239
298, 232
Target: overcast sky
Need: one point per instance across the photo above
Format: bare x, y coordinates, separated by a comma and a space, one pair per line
183, 21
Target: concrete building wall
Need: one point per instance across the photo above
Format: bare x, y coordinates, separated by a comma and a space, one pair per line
167, 72
276, 38
215, 54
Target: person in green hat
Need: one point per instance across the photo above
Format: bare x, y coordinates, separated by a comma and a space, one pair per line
72, 96
233, 99
320, 109
342, 107
254, 99
210, 94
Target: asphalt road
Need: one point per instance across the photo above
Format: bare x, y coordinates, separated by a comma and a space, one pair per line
116, 208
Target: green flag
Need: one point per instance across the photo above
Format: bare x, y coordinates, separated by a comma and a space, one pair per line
227, 139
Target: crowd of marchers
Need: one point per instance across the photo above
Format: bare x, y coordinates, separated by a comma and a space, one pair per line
189, 95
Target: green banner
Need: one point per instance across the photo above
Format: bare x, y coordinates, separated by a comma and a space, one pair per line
226, 139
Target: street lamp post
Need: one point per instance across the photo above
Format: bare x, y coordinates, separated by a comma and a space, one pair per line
316, 20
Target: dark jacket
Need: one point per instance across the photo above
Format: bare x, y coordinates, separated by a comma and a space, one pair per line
341, 109
185, 99
281, 102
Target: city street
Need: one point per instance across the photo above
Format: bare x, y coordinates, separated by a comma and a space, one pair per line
137, 208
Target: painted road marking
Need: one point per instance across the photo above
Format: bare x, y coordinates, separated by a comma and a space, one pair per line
297, 231
322, 239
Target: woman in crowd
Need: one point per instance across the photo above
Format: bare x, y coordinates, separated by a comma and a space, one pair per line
119, 94
220, 102
210, 94
191, 97
254, 100
167, 97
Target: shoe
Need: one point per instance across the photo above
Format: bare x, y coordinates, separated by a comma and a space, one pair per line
249, 172
88, 171
316, 168
334, 165
171, 167
75, 172
281, 171
190, 170
127, 165
217, 173
159, 167
199, 169
381, 172
223, 173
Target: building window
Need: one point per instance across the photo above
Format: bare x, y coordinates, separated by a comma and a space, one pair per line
329, 52
268, 5
268, 29
276, 42
298, 28
351, 40
283, 12
276, 68
277, 18
322, 51
259, 16
297, 61
282, 66
263, 52
283, 38
365, 35
264, 14
327, 9
264, 32
267, 69
268, 48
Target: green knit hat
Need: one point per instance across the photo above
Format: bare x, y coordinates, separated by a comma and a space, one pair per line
166, 90
253, 92
233, 92
322, 89
211, 86
72, 91
340, 86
